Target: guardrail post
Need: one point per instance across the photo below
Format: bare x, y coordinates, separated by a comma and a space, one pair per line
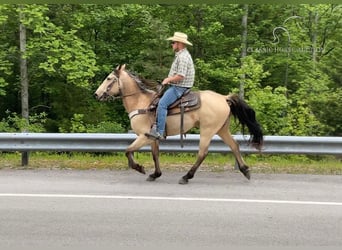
24, 158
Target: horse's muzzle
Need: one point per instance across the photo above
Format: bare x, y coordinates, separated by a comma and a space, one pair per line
102, 97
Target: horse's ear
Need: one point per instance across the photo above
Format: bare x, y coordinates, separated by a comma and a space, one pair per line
119, 68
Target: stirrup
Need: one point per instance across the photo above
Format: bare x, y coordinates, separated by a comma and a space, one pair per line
155, 136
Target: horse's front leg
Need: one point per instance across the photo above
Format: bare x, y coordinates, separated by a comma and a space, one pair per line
155, 154
141, 141
132, 164
136, 145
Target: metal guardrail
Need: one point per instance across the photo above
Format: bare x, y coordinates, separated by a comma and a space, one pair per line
96, 142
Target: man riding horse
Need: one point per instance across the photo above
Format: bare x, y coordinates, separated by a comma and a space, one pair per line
211, 116
181, 78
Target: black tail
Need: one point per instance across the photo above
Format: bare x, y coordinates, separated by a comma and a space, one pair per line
246, 116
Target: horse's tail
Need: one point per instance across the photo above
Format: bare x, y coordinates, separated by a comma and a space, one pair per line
246, 116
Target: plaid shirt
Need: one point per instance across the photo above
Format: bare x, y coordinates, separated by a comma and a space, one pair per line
184, 66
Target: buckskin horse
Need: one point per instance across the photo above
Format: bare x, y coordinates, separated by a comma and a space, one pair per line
212, 117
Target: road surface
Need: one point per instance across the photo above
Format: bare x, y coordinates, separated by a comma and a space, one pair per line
107, 209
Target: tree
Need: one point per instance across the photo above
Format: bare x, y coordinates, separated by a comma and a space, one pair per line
5, 64
290, 63
243, 48
23, 69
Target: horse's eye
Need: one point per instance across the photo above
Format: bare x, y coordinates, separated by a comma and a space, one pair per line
108, 78
109, 87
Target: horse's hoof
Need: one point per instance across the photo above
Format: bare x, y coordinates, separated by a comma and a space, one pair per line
183, 181
245, 171
247, 175
154, 176
150, 178
139, 168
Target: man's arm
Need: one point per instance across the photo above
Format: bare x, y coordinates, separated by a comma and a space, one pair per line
173, 79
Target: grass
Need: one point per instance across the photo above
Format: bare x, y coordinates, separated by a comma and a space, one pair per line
291, 164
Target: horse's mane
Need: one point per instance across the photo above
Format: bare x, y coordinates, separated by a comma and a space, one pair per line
143, 83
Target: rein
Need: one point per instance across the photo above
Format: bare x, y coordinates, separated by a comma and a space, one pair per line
123, 96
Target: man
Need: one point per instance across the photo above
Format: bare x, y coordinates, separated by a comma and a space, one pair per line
181, 77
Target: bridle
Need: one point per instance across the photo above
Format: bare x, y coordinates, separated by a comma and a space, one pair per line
121, 95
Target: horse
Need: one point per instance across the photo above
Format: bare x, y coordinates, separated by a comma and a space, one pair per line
212, 117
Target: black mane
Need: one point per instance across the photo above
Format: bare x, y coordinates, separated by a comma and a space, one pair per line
144, 84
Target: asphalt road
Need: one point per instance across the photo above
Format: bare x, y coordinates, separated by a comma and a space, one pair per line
106, 209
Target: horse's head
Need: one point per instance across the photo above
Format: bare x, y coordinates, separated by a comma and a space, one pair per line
110, 87
121, 83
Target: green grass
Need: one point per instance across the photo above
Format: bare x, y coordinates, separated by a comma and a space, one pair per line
292, 164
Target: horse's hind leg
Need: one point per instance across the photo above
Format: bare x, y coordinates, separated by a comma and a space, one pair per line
229, 140
202, 153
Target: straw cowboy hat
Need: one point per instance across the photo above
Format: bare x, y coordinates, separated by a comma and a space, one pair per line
180, 37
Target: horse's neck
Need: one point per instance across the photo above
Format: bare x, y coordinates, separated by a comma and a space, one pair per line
133, 97
138, 101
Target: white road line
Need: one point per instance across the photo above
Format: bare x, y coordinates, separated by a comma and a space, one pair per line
129, 197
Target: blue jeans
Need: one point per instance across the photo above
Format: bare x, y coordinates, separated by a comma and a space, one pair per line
169, 97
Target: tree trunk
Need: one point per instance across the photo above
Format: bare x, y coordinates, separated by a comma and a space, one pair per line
23, 80
243, 49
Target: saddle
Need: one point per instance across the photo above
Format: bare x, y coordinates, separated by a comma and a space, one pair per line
187, 102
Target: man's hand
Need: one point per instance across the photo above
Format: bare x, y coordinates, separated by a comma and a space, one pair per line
166, 81
173, 79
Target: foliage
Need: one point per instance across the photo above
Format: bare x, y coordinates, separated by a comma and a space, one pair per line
78, 125
5, 65
56, 50
14, 123
292, 72
328, 109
